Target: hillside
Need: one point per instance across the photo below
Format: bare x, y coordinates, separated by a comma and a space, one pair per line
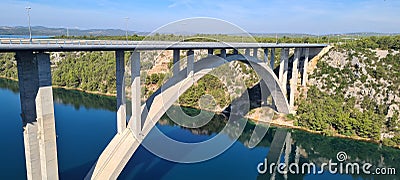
354, 92
72, 31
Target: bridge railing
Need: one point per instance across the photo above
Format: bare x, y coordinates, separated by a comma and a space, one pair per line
16, 41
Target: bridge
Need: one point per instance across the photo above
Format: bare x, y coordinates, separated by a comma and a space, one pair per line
34, 75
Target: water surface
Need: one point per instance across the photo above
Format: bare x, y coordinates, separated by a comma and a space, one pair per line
85, 123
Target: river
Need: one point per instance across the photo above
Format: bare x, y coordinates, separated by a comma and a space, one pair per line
85, 123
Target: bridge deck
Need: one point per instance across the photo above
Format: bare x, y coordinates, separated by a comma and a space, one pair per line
11, 45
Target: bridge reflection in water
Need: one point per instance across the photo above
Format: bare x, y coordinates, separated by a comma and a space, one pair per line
37, 96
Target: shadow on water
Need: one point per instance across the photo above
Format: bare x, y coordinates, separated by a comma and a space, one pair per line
9, 85
77, 99
80, 99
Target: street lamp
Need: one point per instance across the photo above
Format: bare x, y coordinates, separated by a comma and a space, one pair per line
126, 27
29, 23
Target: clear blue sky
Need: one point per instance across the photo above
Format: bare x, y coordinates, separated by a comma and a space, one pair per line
267, 16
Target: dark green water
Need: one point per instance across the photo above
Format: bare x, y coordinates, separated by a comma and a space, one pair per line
77, 112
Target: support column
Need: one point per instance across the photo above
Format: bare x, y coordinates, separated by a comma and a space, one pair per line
283, 67
28, 87
266, 55
121, 104
176, 62
223, 53
293, 81
190, 62
36, 96
305, 68
255, 52
247, 52
272, 58
135, 88
210, 51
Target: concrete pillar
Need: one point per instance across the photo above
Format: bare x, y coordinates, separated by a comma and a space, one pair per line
255, 52
28, 87
210, 51
36, 96
121, 104
266, 55
293, 81
272, 58
46, 120
223, 53
247, 52
135, 88
305, 65
190, 62
176, 62
283, 67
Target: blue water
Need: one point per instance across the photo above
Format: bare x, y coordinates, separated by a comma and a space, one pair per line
86, 123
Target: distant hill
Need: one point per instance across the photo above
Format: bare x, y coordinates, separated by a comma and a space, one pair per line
45, 31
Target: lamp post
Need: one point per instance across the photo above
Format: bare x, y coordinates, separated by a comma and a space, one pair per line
126, 27
29, 23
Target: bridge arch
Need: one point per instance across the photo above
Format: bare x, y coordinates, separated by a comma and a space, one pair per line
201, 68
115, 156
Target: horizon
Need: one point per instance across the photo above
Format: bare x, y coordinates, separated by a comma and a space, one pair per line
254, 16
133, 32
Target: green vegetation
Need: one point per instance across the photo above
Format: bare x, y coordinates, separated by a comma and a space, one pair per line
8, 65
374, 42
376, 79
206, 85
334, 114
93, 71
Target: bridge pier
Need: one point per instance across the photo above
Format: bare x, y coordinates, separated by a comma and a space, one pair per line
272, 58
176, 62
36, 96
121, 104
190, 62
255, 52
283, 68
293, 81
266, 55
247, 52
305, 65
210, 51
135, 88
223, 53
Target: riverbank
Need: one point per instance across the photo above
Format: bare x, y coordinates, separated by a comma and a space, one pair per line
281, 120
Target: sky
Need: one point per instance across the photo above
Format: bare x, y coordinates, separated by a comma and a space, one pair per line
255, 16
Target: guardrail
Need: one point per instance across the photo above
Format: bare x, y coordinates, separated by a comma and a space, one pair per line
13, 41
